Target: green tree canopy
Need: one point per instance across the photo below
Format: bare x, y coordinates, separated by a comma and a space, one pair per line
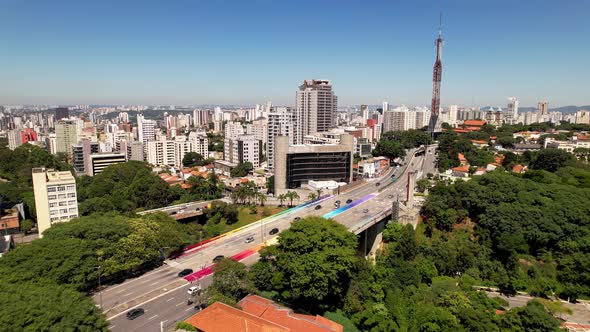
389, 149
192, 159
45, 306
242, 169
551, 159
313, 263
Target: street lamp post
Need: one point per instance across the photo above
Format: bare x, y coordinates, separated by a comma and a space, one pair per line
99, 283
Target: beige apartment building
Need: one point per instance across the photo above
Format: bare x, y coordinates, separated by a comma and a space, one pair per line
55, 197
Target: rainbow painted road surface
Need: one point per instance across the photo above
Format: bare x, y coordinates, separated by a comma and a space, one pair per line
341, 209
209, 269
193, 248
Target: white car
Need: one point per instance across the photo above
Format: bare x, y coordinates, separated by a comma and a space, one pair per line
194, 290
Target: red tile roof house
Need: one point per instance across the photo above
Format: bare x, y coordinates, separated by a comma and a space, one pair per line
258, 314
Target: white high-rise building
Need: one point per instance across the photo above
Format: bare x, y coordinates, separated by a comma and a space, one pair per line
245, 148
164, 152
281, 122
200, 143
231, 132
14, 139
316, 108
385, 106
55, 197
511, 115
401, 118
259, 129
146, 129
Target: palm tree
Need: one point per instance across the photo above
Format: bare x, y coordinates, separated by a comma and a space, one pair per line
291, 195
261, 197
319, 192
312, 196
281, 198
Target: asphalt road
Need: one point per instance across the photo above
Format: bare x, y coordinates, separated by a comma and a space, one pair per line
162, 294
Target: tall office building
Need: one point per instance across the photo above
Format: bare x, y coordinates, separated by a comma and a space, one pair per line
298, 164
55, 197
62, 113
512, 111
316, 108
542, 108
385, 106
281, 121
66, 134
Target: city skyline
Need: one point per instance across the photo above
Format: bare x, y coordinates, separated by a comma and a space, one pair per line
156, 54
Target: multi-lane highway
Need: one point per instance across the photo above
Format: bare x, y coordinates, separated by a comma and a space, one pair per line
163, 294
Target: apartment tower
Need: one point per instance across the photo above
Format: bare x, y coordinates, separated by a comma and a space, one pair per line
316, 108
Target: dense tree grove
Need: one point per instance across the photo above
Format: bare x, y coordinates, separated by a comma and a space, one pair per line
41, 282
393, 144
127, 186
451, 143
15, 167
421, 281
411, 138
311, 266
530, 231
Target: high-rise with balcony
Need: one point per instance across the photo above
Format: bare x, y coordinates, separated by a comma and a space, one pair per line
315, 110
66, 133
55, 197
281, 122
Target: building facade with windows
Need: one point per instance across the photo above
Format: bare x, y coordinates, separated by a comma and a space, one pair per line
296, 165
55, 197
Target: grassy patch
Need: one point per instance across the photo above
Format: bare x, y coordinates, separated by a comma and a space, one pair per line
245, 215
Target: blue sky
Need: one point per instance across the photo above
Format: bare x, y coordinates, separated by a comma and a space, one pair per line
246, 52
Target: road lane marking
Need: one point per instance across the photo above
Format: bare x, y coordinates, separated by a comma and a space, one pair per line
170, 299
153, 283
188, 309
181, 303
121, 291
112, 327
125, 295
154, 316
146, 301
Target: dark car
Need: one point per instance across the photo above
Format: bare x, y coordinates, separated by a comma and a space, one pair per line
201, 306
317, 207
185, 272
134, 313
297, 219
377, 184
337, 202
365, 210
217, 258
348, 201
273, 231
